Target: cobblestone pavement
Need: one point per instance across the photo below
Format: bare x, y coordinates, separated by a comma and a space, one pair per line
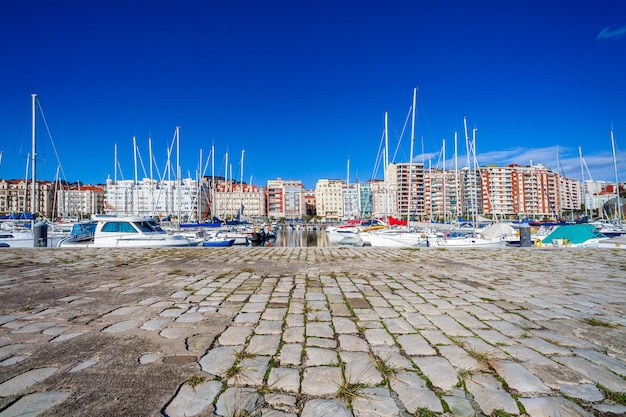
312, 332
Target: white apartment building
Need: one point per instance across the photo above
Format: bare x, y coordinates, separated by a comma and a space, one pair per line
183, 200
384, 198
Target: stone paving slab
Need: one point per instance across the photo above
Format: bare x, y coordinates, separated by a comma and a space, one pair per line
312, 331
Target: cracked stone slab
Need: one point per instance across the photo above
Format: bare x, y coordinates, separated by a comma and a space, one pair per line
252, 371
263, 344
284, 379
552, 407
320, 381
439, 371
585, 392
218, 360
9, 350
318, 356
324, 408
415, 345
235, 335
236, 401
519, 378
490, 395
414, 393
374, 402
84, 365
35, 327
122, 326
594, 372
191, 401
35, 404
361, 369
23, 381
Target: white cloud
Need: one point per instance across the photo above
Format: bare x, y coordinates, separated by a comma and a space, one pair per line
612, 32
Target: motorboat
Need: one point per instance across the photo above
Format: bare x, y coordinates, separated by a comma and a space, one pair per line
124, 232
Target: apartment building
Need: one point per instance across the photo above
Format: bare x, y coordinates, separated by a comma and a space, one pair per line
16, 197
238, 199
285, 199
183, 199
329, 199
410, 183
77, 201
528, 191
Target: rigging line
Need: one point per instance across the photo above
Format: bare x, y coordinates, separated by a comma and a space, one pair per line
156, 166
406, 122
145, 175
378, 156
45, 122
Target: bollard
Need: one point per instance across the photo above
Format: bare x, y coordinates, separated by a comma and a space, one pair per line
40, 235
524, 237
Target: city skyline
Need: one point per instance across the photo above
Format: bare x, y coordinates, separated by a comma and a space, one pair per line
304, 88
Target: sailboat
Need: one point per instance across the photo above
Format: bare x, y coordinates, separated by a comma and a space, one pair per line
19, 233
619, 240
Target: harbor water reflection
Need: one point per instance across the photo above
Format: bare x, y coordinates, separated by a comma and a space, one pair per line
299, 238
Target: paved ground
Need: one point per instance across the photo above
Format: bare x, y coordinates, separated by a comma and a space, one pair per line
312, 332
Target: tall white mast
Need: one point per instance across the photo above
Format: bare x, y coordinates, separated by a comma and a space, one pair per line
582, 176
456, 174
408, 210
33, 199
135, 185
151, 181
469, 167
475, 193
241, 187
443, 188
178, 174
213, 209
619, 204
386, 167
26, 179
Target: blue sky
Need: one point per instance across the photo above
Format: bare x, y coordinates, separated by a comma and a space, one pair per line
303, 86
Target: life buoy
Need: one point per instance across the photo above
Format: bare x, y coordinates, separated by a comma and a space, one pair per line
538, 243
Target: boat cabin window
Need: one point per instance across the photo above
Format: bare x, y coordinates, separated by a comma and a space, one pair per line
156, 226
145, 226
118, 227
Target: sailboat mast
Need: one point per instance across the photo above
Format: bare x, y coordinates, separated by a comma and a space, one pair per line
26, 178
241, 187
136, 185
33, 199
582, 176
456, 174
178, 172
386, 163
213, 210
443, 187
408, 207
619, 204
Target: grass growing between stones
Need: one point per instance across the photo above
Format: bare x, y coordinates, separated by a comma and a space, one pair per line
386, 370
194, 381
500, 413
593, 321
348, 391
425, 412
618, 397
